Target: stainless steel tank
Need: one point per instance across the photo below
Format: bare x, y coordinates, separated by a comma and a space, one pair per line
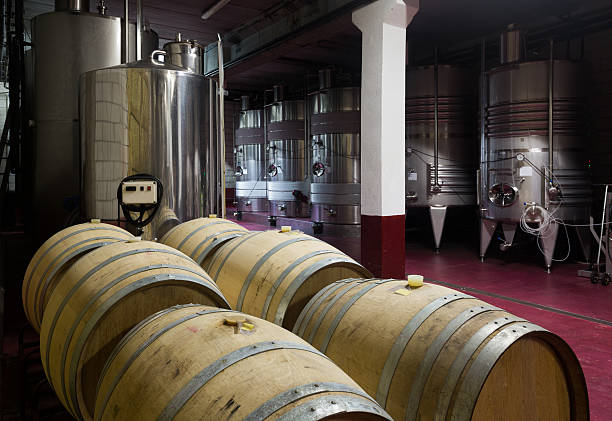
250, 160
441, 154
187, 54
288, 180
145, 117
66, 44
335, 126
526, 101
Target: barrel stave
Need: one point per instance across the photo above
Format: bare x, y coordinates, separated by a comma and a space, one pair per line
273, 275
201, 237
99, 299
247, 382
435, 353
55, 256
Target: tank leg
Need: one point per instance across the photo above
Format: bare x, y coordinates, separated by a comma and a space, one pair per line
586, 241
548, 240
509, 231
487, 228
437, 215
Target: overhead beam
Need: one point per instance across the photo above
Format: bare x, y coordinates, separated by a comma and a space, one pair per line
306, 18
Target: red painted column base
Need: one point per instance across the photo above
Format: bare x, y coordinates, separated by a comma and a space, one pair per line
383, 245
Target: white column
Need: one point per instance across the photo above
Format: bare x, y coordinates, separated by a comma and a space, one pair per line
383, 88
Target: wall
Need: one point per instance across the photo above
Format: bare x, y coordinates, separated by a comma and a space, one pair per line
598, 53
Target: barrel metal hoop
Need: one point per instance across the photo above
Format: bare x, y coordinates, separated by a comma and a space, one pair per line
482, 365
78, 284
229, 253
295, 394
102, 291
281, 278
297, 283
39, 260
462, 359
133, 331
330, 304
200, 379
433, 351
345, 308
167, 235
304, 318
101, 311
261, 261
218, 238
323, 407
397, 350
47, 276
144, 346
198, 229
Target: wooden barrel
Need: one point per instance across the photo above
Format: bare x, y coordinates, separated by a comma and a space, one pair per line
102, 296
272, 274
55, 256
200, 238
196, 362
432, 353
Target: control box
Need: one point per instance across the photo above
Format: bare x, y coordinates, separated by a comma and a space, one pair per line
139, 192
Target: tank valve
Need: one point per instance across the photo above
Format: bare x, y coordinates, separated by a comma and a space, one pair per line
436, 189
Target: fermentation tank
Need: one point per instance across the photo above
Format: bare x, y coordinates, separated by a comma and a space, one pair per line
145, 117
526, 103
66, 43
250, 159
335, 123
288, 181
189, 55
441, 155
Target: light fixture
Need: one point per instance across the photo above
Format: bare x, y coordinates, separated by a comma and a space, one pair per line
214, 9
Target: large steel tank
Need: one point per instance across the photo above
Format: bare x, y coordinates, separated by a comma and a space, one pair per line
441, 155
145, 117
335, 126
250, 160
66, 44
189, 55
534, 112
288, 180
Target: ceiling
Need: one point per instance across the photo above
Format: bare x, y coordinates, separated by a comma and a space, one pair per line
333, 40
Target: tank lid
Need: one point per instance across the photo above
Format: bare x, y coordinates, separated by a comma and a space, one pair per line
72, 5
152, 62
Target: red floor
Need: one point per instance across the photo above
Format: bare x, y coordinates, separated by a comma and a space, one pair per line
572, 307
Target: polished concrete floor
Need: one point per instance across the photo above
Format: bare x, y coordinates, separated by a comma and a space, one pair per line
515, 280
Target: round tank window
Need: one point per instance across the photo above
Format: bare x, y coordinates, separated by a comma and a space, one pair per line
318, 169
272, 170
503, 194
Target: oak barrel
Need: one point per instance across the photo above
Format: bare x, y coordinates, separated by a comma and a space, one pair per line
432, 353
99, 299
55, 256
197, 362
201, 237
273, 274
